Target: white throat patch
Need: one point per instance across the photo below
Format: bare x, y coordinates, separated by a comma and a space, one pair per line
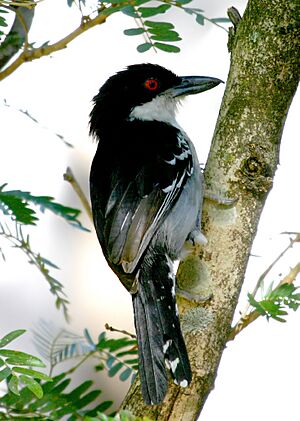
162, 108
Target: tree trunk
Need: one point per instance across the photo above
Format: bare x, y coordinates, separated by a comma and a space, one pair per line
244, 154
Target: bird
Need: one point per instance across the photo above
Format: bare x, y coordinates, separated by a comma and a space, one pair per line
146, 190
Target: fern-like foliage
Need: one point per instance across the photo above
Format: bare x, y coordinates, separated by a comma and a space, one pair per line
159, 35
21, 242
277, 301
32, 394
55, 403
17, 204
117, 356
58, 345
18, 208
16, 368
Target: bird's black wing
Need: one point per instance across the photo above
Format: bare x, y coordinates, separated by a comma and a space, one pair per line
145, 179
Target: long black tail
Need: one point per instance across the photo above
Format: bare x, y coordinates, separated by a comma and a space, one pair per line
160, 340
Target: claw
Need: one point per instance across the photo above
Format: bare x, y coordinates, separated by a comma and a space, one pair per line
225, 201
197, 238
190, 296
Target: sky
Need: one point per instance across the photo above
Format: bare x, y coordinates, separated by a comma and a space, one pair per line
258, 374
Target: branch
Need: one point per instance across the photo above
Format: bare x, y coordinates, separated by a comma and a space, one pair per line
35, 120
69, 176
20, 242
45, 50
247, 319
266, 272
124, 332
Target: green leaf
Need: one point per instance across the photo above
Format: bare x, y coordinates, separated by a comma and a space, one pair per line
110, 361
184, 1
87, 399
15, 203
101, 338
200, 19
103, 406
11, 336
21, 358
17, 209
13, 385
116, 344
126, 374
132, 361
220, 20
134, 31
99, 367
5, 373
88, 337
152, 11
142, 48
167, 47
32, 373
32, 385
113, 371
167, 36
127, 352
79, 390
163, 26
129, 11
2, 20
47, 262
47, 203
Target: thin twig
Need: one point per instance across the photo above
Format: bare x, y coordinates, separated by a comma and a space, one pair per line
69, 176
246, 319
243, 323
45, 50
20, 242
291, 276
266, 272
87, 356
124, 332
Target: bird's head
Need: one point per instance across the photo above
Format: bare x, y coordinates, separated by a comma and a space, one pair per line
145, 92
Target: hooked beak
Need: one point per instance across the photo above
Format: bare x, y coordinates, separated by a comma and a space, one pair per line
190, 85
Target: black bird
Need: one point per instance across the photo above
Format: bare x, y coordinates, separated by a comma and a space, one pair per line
146, 192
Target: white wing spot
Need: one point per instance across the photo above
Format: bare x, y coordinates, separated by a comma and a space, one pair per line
174, 364
169, 188
183, 383
167, 345
172, 162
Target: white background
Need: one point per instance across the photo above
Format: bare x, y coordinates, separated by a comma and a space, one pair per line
259, 372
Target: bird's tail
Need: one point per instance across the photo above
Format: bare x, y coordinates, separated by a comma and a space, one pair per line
160, 340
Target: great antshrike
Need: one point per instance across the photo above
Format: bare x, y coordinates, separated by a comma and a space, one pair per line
146, 190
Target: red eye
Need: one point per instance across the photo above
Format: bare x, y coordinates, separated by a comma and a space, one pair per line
151, 84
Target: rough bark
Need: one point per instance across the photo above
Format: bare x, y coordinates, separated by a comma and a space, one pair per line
244, 154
